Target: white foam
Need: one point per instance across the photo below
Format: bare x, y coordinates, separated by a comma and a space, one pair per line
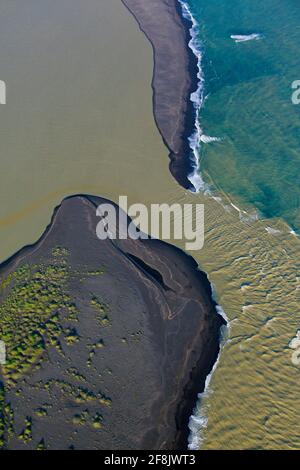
207, 139
295, 343
197, 99
217, 199
244, 215
249, 217
198, 421
245, 308
244, 287
272, 231
238, 209
292, 232
246, 37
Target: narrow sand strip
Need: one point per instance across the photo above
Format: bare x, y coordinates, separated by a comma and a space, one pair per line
174, 77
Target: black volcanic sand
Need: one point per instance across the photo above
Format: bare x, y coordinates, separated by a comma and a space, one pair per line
121, 359
174, 78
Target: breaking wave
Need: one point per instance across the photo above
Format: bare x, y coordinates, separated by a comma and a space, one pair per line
246, 37
197, 99
207, 139
198, 420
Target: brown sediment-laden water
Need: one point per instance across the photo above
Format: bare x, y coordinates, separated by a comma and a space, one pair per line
108, 341
79, 85
258, 262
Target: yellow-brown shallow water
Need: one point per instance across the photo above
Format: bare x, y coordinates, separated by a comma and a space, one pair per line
79, 119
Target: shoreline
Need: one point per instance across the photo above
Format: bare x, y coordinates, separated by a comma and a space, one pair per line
245, 263
179, 291
183, 165
165, 84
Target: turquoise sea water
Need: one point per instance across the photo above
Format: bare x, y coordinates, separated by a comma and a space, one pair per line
248, 105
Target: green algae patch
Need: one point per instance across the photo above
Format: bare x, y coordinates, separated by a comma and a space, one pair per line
26, 434
77, 394
29, 314
41, 445
34, 299
41, 412
98, 345
86, 419
38, 315
101, 309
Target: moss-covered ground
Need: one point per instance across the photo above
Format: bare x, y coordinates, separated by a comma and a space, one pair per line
35, 298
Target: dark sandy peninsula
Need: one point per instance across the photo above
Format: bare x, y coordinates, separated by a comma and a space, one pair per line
174, 78
108, 342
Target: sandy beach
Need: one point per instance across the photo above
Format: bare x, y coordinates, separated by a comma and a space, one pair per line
174, 78
191, 357
127, 379
107, 149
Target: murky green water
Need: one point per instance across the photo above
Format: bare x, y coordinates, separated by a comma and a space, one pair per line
79, 119
249, 102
